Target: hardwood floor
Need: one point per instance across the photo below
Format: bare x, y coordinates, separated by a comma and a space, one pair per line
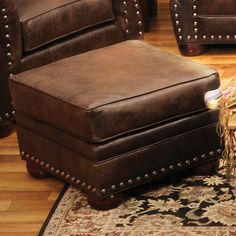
24, 201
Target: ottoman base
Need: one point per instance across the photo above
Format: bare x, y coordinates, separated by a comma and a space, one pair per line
115, 200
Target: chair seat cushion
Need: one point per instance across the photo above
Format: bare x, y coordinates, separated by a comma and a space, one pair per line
216, 7
46, 21
113, 91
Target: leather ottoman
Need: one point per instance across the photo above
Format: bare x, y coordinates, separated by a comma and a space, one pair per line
115, 118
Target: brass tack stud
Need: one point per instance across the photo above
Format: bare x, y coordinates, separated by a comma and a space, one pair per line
57, 171
146, 176
89, 187
103, 191
130, 181
37, 160
219, 151
32, 158
72, 179
47, 165
138, 178
195, 159
172, 167
113, 187
27, 155
163, 170
94, 190
154, 172
77, 181
67, 176
122, 184
22, 153
83, 184
212, 153
188, 162
42, 163
62, 173
179, 165
52, 169
203, 156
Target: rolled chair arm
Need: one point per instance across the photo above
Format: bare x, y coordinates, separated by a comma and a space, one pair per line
10, 53
129, 18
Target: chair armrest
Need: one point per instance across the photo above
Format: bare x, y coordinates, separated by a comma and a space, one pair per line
183, 14
11, 51
129, 18
10, 36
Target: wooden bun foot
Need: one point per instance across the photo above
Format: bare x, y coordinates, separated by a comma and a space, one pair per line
35, 172
106, 203
192, 49
208, 168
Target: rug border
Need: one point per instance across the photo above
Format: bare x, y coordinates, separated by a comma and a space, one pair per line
54, 207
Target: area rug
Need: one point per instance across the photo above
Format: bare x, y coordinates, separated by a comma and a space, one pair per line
184, 206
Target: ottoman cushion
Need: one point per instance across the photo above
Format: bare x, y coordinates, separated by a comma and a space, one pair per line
109, 92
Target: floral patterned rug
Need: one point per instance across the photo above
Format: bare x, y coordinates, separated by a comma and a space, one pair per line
183, 206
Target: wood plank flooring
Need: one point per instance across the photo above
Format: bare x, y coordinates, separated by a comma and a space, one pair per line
24, 201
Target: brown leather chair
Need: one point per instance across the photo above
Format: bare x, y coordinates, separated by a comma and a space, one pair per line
202, 22
34, 33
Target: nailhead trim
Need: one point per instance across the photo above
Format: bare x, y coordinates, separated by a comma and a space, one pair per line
114, 187
195, 34
4, 15
61, 173
7, 116
137, 7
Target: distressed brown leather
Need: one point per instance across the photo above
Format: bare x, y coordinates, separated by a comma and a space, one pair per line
98, 152
132, 97
104, 123
204, 21
52, 30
